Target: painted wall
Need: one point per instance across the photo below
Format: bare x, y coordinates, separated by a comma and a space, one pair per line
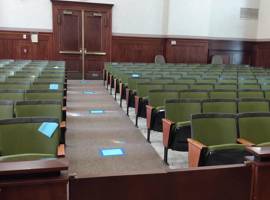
176, 18
264, 20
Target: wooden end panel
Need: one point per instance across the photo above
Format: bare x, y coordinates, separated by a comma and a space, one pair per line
149, 111
194, 152
61, 150
166, 126
137, 102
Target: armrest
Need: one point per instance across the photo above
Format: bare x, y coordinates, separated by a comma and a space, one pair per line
245, 142
149, 111
194, 152
63, 124
166, 126
64, 108
61, 150
137, 102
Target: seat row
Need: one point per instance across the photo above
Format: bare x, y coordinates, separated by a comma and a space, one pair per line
176, 117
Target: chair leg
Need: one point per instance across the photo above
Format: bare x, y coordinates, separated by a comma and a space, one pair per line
136, 122
115, 94
166, 155
127, 110
148, 135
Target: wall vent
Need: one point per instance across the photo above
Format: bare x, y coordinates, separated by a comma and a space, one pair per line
249, 13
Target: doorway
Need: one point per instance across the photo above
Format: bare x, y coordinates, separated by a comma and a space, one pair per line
82, 37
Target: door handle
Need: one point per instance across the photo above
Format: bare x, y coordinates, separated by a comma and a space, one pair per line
95, 53
71, 52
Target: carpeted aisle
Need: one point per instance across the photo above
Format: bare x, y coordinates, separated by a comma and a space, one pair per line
87, 134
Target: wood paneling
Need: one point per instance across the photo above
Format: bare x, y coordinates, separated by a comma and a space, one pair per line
13, 46
262, 54
186, 51
233, 52
136, 49
216, 183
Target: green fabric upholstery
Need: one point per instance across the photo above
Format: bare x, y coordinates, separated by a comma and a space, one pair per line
255, 127
21, 136
225, 86
214, 129
202, 87
39, 109
6, 109
176, 86
253, 106
143, 88
14, 86
158, 97
231, 81
250, 94
181, 124
194, 94
45, 86
223, 94
25, 157
44, 95
181, 111
249, 86
266, 144
185, 81
226, 146
14, 95
267, 94
219, 107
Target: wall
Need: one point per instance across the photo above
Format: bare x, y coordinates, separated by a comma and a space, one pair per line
264, 20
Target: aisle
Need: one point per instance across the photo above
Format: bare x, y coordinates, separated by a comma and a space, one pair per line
88, 133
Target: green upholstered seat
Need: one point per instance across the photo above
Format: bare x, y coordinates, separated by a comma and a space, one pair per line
44, 95
175, 86
254, 86
225, 86
14, 95
255, 127
185, 81
201, 86
194, 94
219, 106
253, 105
14, 86
6, 109
45, 85
250, 94
223, 94
21, 136
143, 88
158, 97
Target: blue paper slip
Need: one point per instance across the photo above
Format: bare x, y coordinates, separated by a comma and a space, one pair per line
112, 152
48, 128
54, 86
89, 92
96, 111
135, 75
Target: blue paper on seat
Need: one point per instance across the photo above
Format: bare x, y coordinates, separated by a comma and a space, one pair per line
89, 92
135, 75
112, 152
48, 128
96, 111
54, 86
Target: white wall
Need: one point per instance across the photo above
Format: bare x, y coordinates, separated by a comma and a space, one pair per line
29, 14
225, 19
264, 20
175, 18
189, 17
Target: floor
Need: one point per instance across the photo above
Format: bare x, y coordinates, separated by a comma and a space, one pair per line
88, 133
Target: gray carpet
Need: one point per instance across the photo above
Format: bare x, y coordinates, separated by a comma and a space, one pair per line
87, 134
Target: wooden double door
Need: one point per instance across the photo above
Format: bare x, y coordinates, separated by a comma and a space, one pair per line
82, 37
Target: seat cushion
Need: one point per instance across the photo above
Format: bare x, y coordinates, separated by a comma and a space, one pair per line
225, 147
25, 157
265, 144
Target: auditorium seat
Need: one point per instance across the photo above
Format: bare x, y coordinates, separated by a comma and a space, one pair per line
214, 141
219, 106
253, 105
254, 129
223, 94
176, 125
6, 109
21, 140
14, 95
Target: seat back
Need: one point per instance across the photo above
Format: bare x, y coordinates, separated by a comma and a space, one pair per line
223, 94
159, 59
194, 94
13, 95
225, 86
180, 110
175, 86
50, 109
214, 129
219, 106
250, 94
6, 109
253, 105
44, 95
202, 86
21, 136
143, 88
158, 97
254, 127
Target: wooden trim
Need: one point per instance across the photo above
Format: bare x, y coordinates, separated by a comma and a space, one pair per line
61, 150
149, 112
194, 152
245, 142
166, 126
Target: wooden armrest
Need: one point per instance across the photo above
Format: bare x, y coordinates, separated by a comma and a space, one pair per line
166, 126
245, 142
149, 110
64, 108
61, 150
63, 124
137, 102
194, 152
65, 97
